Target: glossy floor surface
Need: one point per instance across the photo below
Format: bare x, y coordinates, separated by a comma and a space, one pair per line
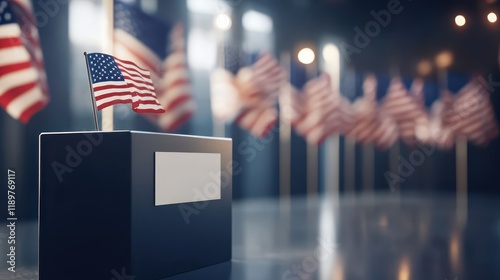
353, 237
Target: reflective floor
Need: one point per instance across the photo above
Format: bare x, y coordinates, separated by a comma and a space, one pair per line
354, 237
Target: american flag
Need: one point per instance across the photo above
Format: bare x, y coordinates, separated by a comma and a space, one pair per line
117, 81
23, 90
325, 112
292, 104
259, 87
438, 131
370, 126
404, 109
145, 40
224, 96
472, 115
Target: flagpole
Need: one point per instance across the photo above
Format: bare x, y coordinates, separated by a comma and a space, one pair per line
92, 95
460, 165
395, 150
350, 148
332, 143
312, 150
107, 113
285, 133
218, 123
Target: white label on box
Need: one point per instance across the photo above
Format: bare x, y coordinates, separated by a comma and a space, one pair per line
186, 177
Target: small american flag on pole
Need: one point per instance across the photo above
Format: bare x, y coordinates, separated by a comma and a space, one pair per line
117, 81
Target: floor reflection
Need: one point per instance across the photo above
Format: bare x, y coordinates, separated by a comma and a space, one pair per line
354, 237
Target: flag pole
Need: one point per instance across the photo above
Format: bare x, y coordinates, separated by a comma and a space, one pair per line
460, 165
395, 150
332, 143
92, 95
107, 113
218, 123
312, 150
285, 133
350, 147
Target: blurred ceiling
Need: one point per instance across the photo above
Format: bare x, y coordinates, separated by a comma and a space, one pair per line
421, 30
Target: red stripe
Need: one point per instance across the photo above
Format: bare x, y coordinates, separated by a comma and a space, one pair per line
30, 111
148, 102
10, 42
114, 102
14, 67
149, 111
14, 93
178, 101
269, 127
107, 95
176, 83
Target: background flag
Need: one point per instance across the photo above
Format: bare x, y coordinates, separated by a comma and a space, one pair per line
325, 112
405, 110
438, 131
370, 125
472, 115
23, 90
224, 95
117, 81
146, 40
258, 88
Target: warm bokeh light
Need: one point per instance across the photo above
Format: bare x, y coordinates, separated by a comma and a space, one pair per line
331, 53
223, 22
444, 59
492, 17
404, 269
383, 221
306, 56
424, 67
460, 20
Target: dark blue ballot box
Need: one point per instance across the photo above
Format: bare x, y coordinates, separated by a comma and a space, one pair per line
132, 205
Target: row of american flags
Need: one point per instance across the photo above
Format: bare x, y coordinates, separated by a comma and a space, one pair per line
150, 54
319, 110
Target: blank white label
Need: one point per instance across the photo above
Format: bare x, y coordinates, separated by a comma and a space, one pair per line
186, 177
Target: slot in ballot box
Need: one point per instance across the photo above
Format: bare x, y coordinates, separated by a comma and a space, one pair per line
132, 205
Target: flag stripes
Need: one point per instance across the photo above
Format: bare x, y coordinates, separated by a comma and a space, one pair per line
22, 91
117, 81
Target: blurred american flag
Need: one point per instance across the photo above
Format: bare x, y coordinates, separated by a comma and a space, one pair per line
325, 112
143, 39
404, 109
370, 125
472, 115
23, 90
258, 88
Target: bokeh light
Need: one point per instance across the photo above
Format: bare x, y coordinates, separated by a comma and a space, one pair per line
223, 22
424, 67
460, 20
444, 59
306, 56
492, 17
